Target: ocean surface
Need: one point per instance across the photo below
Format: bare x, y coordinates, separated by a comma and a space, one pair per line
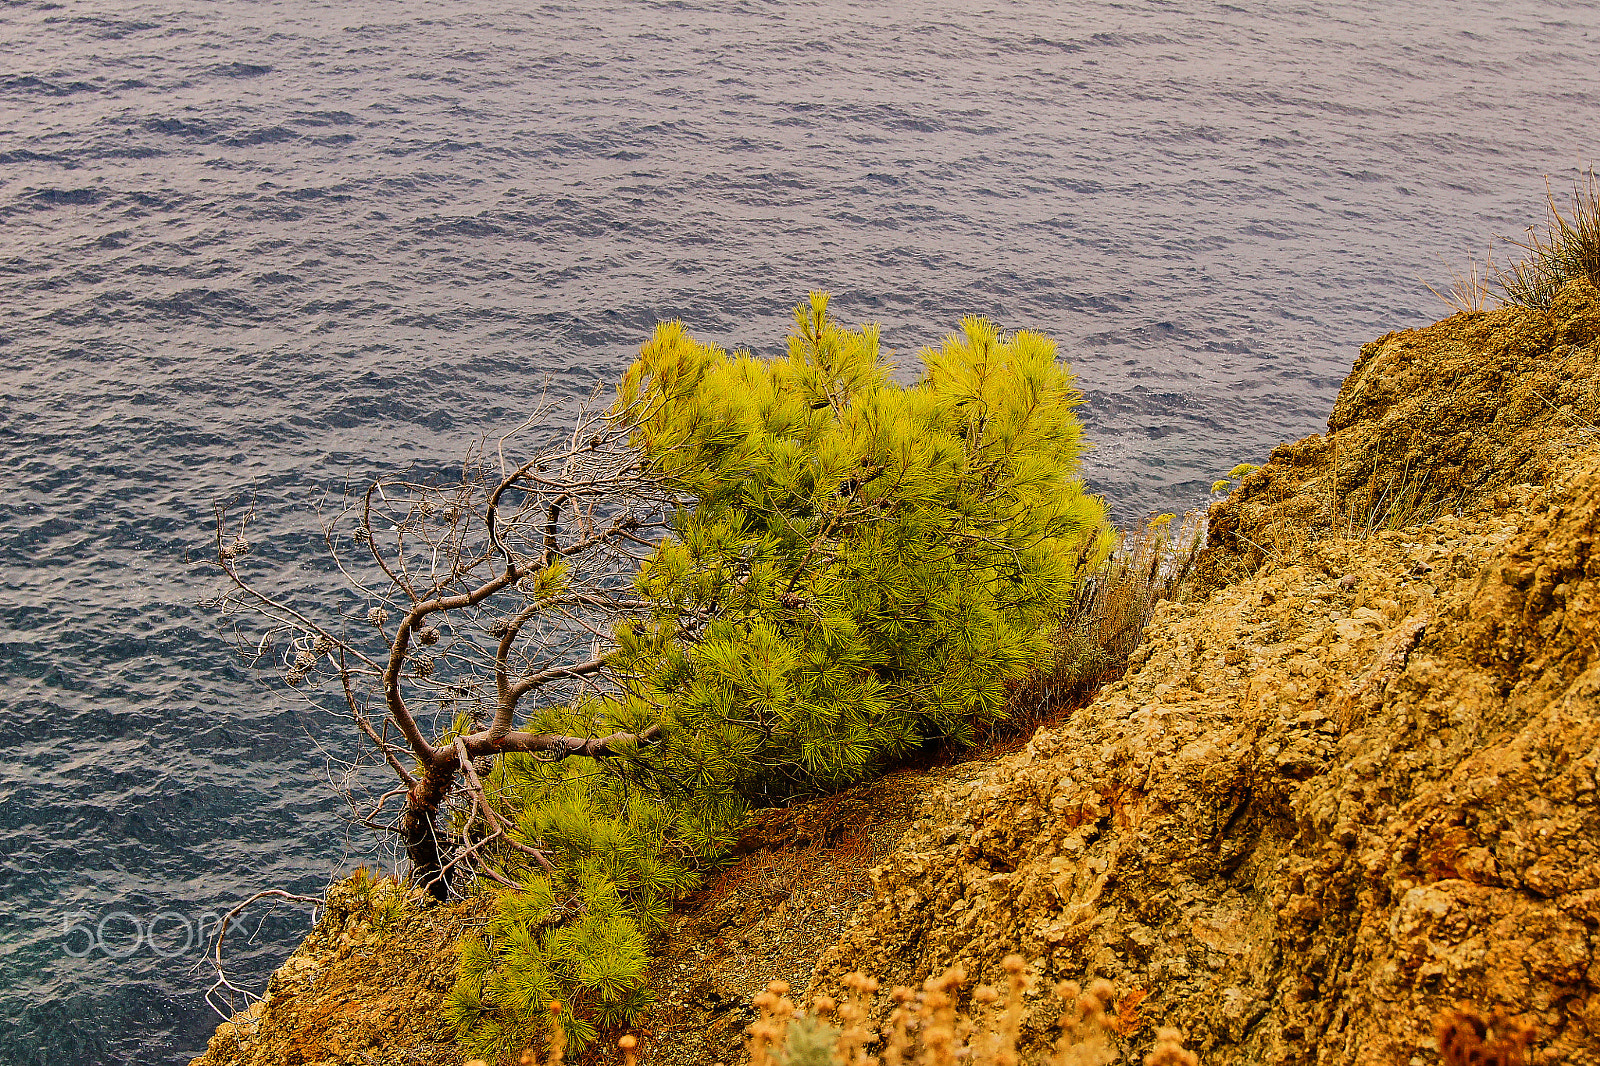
271, 248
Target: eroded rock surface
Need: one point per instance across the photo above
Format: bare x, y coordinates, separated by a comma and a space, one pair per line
1349, 790
1429, 420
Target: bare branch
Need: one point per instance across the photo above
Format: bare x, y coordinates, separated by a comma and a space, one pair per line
454, 627
222, 981
548, 744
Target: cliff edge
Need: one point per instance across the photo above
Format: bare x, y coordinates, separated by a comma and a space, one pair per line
1355, 784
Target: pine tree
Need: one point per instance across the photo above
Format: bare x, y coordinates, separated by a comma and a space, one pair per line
866, 565
836, 569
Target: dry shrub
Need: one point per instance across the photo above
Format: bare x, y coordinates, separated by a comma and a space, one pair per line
1169, 1051
1105, 624
927, 1027
1467, 1038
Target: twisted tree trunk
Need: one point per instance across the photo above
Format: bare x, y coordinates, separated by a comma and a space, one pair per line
419, 832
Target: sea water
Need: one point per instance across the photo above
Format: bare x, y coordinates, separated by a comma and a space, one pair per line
265, 250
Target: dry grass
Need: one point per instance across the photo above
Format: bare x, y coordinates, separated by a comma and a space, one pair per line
1406, 500
1115, 604
1567, 247
1469, 289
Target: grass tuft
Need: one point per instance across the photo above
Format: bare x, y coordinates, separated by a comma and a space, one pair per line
1568, 248
1469, 290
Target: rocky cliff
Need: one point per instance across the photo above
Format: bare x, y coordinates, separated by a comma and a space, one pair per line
1355, 782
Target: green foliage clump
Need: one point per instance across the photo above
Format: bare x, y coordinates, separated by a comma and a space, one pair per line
867, 565
379, 900
577, 935
1238, 473
862, 566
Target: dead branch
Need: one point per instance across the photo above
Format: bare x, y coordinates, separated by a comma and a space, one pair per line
222, 983
470, 600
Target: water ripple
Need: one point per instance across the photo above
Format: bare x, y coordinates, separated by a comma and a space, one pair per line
271, 249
